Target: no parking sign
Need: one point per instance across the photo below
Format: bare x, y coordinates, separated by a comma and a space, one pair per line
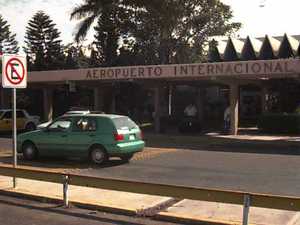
14, 75
14, 71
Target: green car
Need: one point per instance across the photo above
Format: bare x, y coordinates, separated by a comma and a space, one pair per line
96, 136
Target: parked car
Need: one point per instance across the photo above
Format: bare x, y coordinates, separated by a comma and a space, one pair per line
72, 112
24, 120
95, 136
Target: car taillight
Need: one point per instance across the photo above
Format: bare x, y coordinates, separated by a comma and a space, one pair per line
119, 137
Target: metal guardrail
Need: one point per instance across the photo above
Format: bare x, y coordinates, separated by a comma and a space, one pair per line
212, 195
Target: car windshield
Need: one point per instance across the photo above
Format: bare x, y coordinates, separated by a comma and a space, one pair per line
124, 123
62, 123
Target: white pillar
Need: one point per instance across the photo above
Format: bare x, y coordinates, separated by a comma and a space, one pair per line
234, 108
170, 99
264, 95
48, 103
157, 109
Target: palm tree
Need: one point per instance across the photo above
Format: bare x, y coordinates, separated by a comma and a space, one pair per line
88, 12
112, 23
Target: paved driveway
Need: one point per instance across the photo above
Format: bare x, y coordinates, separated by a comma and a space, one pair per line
5, 143
275, 173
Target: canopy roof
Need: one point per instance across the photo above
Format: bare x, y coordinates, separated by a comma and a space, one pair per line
268, 47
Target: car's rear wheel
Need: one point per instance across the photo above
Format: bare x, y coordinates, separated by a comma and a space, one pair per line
98, 155
30, 127
126, 158
29, 150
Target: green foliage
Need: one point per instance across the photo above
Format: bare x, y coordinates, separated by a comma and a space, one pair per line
42, 44
164, 31
279, 123
8, 43
177, 30
76, 57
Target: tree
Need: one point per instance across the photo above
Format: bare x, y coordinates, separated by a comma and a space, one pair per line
110, 15
8, 43
165, 31
178, 29
71, 62
42, 43
76, 56
94, 60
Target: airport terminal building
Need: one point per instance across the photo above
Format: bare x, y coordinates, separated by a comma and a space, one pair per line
252, 76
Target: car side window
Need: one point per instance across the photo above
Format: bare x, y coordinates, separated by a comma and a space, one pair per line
85, 124
7, 115
60, 125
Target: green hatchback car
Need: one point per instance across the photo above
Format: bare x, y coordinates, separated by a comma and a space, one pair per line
96, 136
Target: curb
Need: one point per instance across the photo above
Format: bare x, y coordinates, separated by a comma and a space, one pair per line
120, 211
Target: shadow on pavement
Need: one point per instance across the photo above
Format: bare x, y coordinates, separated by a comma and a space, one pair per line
222, 143
59, 164
99, 217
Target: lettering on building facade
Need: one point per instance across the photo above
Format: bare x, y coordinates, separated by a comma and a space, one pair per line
192, 70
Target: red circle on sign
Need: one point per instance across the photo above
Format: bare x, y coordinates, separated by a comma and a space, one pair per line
21, 77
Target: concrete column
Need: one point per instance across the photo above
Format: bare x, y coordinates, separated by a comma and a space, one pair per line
170, 96
200, 103
98, 99
157, 110
264, 96
48, 103
234, 108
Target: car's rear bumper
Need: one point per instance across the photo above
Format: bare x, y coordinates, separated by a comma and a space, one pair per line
127, 148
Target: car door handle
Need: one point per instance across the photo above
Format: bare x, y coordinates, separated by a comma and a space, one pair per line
92, 135
64, 135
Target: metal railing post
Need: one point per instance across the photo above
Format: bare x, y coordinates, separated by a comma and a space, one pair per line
246, 209
66, 190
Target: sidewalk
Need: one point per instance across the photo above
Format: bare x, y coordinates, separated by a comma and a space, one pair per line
252, 142
182, 211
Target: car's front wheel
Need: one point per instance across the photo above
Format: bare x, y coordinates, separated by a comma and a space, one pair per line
98, 155
29, 150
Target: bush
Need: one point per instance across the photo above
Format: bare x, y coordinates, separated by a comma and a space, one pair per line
279, 123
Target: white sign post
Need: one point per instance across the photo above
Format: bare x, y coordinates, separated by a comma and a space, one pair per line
14, 75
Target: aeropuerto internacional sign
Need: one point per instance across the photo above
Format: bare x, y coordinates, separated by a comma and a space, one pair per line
238, 69
192, 70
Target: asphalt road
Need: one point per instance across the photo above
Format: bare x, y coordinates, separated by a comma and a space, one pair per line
15, 211
251, 172
277, 174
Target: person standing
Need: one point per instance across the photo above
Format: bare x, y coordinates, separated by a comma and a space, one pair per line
190, 110
227, 119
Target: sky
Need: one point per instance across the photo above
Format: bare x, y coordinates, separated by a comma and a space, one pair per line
275, 18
